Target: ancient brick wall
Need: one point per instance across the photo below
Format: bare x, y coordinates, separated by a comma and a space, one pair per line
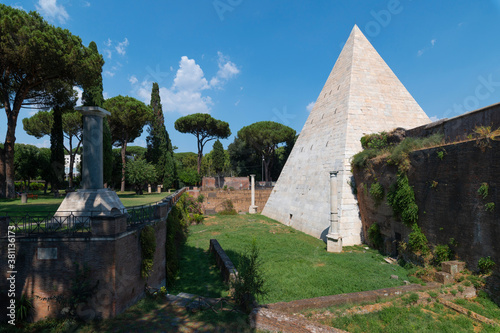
213, 201
446, 192
458, 128
237, 183
114, 263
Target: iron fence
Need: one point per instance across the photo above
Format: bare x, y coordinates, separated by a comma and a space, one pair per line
73, 223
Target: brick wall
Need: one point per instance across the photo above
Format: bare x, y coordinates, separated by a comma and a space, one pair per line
213, 201
236, 183
446, 194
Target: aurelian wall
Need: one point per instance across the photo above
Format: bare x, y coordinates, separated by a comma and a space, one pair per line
46, 268
213, 201
445, 181
458, 128
237, 183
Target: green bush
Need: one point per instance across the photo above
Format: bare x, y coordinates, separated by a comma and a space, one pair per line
442, 253
148, 248
374, 141
417, 240
375, 236
377, 192
360, 159
191, 209
249, 283
24, 309
402, 200
483, 190
200, 198
176, 236
228, 208
490, 207
485, 265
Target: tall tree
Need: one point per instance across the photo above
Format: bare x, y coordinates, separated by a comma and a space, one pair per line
93, 96
44, 168
159, 151
218, 158
264, 137
127, 120
41, 123
34, 55
25, 157
204, 128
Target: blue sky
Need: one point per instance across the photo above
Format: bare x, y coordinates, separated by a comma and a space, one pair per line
246, 61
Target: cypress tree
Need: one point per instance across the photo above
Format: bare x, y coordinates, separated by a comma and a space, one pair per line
159, 147
93, 96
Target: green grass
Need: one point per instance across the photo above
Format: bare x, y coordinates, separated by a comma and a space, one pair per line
48, 204
482, 305
296, 265
428, 318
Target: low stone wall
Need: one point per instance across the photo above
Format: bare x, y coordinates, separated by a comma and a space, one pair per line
225, 264
213, 202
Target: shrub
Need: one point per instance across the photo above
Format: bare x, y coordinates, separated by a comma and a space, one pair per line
148, 248
176, 236
417, 240
249, 283
374, 141
360, 159
191, 209
24, 308
484, 135
483, 190
200, 198
375, 236
411, 299
442, 253
402, 200
490, 207
377, 192
485, 265
228, 208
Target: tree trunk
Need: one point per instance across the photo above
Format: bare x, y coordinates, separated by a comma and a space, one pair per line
2, 173
10, 139
124, 150
266, 169
71, 163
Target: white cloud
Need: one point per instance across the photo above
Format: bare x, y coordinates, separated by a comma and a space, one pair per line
80, 93
105, 95
310, 106
120, 48
108, 42
86, 4
18, 6
434, 118
109, 74
237, 102
44, 144
422, 51
186, 95
51, 11
227, 70
133, 79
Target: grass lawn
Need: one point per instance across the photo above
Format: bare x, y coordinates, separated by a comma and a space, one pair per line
296, 265
48, 204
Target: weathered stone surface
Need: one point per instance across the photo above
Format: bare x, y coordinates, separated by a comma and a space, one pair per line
444, 278
453, 267
226, 266
361, 96
91, 203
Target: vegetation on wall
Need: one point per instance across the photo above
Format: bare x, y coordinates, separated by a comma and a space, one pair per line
148, 248
377, 192
402, 200
374, 236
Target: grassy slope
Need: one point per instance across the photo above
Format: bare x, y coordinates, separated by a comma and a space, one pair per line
296, 265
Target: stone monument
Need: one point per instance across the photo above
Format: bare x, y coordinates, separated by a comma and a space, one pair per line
93, 199
253, 209
361, 96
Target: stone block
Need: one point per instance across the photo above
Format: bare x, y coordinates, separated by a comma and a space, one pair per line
444, 278
453, 267
109, 225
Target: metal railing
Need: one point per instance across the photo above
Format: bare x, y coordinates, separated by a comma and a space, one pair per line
74, 223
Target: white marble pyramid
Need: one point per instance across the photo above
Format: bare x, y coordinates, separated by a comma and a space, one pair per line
361, 96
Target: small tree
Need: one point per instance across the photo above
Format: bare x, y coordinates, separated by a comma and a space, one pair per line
205, 128
264, 137
140, 173
249, 283
25, 158
127, 120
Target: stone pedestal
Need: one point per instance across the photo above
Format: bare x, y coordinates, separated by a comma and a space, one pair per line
333, 243
253, 209
158, 189
91, 203
24, 197
149, 188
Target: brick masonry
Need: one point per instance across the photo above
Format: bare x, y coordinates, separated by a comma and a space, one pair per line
237, 183
114, 263
446, 194
214, 200
361, 96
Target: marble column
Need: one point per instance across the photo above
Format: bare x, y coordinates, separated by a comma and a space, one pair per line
252, 209
333, 239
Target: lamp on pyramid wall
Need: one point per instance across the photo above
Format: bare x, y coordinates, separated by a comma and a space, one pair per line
333, 239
